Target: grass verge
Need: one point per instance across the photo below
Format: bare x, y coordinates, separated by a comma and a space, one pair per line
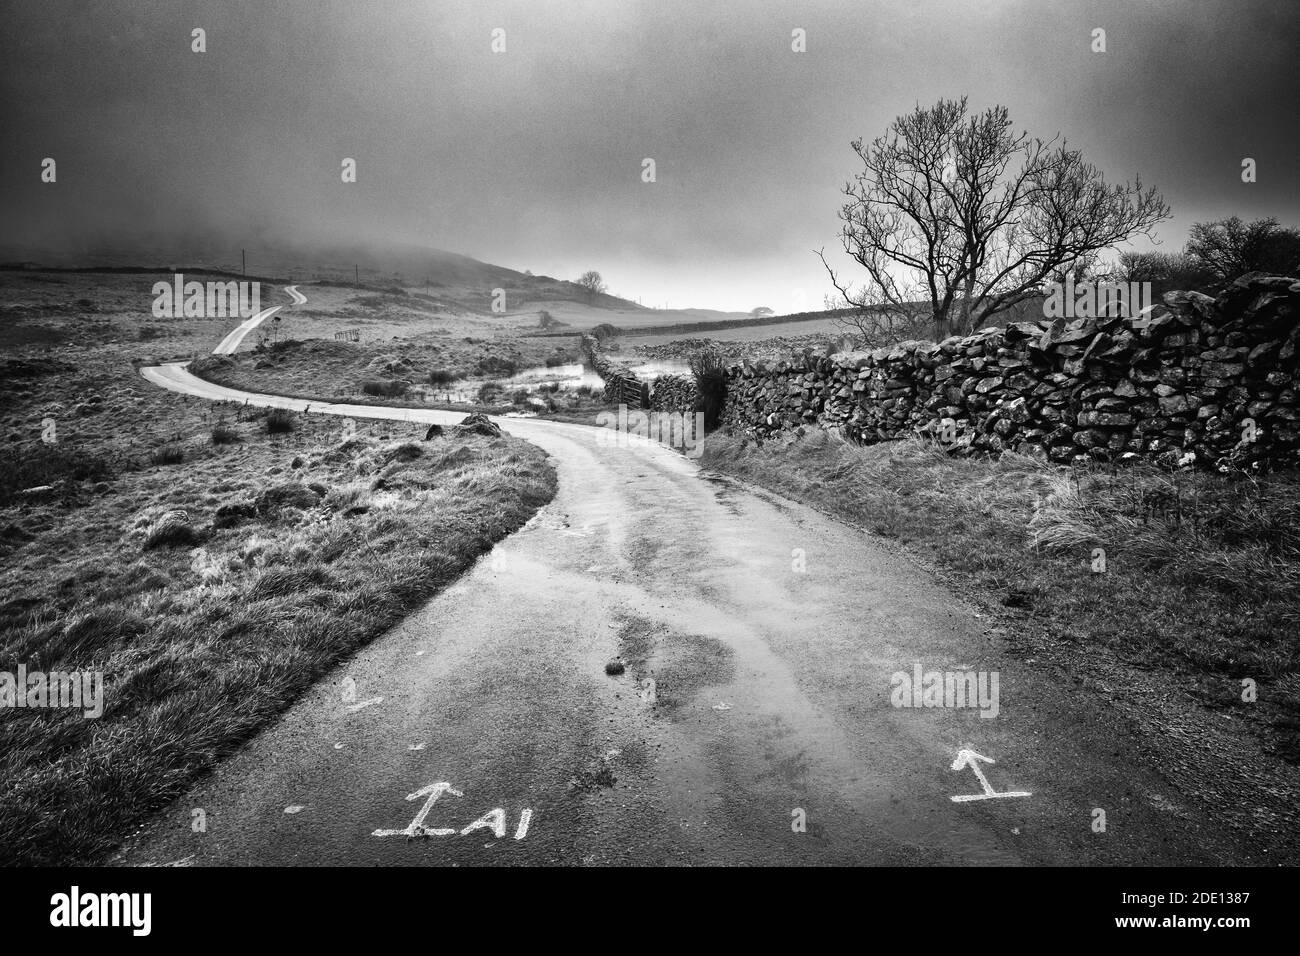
211, 592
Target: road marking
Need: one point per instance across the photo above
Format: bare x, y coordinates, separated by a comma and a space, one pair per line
417, 828
494, 819
525, 818
350, 695
969, 758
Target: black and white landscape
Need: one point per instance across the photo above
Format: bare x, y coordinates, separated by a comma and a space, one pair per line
650, 434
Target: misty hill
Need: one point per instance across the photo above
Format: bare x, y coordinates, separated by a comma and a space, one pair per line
449, 276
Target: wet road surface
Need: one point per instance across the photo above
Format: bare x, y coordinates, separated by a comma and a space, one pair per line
753, 723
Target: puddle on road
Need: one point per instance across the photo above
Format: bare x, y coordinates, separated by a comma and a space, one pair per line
682, 666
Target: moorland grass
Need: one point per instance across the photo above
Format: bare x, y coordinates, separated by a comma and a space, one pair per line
204, 630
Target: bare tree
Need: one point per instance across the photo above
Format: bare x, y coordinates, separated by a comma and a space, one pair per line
1230, 248
871, 326
956, 218
760, 312
593, 283
1166, 271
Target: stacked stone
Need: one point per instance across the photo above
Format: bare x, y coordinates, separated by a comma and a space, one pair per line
673, 393
621, 384
1211, 380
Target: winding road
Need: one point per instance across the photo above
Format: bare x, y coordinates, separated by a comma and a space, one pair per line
753, 725
230, 344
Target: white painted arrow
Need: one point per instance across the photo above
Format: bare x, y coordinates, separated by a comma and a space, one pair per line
969, 758
433, 791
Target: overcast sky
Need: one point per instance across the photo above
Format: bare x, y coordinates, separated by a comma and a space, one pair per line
532, 158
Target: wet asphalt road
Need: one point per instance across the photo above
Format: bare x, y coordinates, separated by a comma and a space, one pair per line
770, 706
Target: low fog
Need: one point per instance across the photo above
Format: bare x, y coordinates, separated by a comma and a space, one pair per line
532, 158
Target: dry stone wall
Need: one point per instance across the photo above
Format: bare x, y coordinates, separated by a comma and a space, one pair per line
1210, 380
621, 384
666, 393
673, 393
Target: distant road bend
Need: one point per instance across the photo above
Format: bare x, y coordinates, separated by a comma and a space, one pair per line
753, 725
230, 344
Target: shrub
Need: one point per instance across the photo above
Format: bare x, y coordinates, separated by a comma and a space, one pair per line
390, 389
710, 371
606, 331
561, 358
279, 421
442, 376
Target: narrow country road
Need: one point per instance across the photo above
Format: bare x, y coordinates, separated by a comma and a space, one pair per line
230, 344
486, 723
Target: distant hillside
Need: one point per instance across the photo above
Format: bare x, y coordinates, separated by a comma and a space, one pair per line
449, 275
725, 325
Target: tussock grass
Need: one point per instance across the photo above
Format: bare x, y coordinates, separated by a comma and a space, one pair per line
172, 529
169, 454
203, 632
1202, 571
279, 421
223, 434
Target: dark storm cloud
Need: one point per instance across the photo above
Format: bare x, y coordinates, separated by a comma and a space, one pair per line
532, 158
